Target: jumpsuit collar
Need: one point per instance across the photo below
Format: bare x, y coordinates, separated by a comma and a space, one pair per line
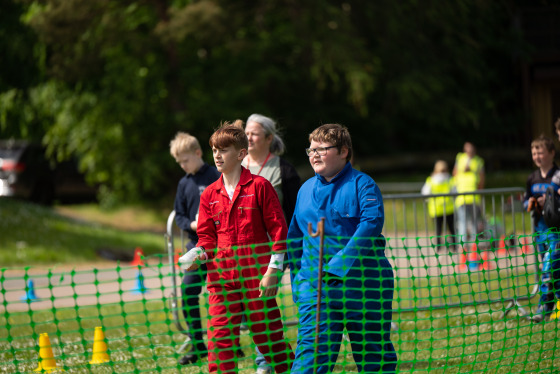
245, 178
345, 170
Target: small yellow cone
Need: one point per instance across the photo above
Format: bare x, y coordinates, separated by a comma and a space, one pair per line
100, 355
556, 315
47, 363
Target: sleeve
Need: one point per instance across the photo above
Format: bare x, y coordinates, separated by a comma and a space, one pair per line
295, 247
273, 216
291, 183
426, 188
206, 230
182, 207
555, 182
367, 235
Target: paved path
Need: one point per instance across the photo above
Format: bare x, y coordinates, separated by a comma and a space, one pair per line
104, 283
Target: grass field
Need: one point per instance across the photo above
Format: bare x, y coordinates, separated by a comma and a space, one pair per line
32, 234
141, 336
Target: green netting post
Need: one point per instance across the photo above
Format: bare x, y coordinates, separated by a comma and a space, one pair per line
321, 234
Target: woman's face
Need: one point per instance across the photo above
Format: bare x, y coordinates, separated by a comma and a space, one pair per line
258, 142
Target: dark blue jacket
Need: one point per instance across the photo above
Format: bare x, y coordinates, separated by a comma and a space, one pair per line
187, 199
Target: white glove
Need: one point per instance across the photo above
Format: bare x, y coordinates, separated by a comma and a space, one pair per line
189, 258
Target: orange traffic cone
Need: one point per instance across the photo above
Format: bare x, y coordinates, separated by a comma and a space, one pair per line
462, 262
47, 362
501, 250
138, 259
176, 257
486, 264
473, 259
526, 245
100, 355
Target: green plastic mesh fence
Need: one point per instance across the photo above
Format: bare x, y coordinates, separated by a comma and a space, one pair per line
464, 308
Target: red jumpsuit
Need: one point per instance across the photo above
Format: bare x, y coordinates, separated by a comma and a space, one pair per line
228, 230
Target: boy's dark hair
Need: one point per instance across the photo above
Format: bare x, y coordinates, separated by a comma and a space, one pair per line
230, 134
545, 142
333, 133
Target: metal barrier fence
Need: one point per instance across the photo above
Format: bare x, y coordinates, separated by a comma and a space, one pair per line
503, 247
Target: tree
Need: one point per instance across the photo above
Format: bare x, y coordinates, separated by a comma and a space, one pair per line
119, 78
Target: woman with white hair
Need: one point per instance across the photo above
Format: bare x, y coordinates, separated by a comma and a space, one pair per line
263, 158
265, 148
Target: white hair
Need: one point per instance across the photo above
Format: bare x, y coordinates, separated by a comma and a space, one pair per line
277, 146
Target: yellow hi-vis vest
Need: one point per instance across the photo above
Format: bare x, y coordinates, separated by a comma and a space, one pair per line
467, 181
439, 206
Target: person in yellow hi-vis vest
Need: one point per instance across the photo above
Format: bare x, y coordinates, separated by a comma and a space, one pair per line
469, 177
441, 208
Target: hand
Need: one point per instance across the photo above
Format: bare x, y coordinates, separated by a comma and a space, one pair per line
192, 259
531, 203
331, 279
269, 283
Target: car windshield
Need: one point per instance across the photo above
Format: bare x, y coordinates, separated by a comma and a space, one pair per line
10, 150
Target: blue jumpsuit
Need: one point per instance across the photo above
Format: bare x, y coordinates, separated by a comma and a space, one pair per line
354, 251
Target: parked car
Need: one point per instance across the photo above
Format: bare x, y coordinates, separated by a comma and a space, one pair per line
25, 172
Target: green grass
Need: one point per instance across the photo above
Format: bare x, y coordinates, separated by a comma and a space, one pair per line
32, 234
141, 337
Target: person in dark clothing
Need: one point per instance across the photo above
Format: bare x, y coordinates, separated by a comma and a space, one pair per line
542, 152
188, 154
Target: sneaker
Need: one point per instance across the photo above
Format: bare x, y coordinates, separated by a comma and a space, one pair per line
264, 370
194, 355
192, 358
543, 313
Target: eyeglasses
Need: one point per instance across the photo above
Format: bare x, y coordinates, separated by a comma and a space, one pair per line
320, 150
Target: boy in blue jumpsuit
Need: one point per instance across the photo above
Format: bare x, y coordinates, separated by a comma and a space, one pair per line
542, 152
186, 150
358, 278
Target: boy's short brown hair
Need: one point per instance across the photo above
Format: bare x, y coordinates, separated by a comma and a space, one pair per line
544, 142
183, 143
230, 134
333, 133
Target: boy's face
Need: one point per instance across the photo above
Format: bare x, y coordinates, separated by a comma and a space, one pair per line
257, 140
331, 163
228, 159
190, 162
542, 157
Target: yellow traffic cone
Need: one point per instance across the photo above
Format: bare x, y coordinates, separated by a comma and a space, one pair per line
100, 355
47, 363
556, 315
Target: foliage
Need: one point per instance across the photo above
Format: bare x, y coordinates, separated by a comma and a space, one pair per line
115, 80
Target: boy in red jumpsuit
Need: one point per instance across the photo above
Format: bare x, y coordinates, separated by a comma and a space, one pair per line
237, 213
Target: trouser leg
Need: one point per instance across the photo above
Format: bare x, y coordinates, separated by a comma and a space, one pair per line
223, 329
330, 336
451, 226
462, 222
439, 227
191, 288
265, 322
368, 312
